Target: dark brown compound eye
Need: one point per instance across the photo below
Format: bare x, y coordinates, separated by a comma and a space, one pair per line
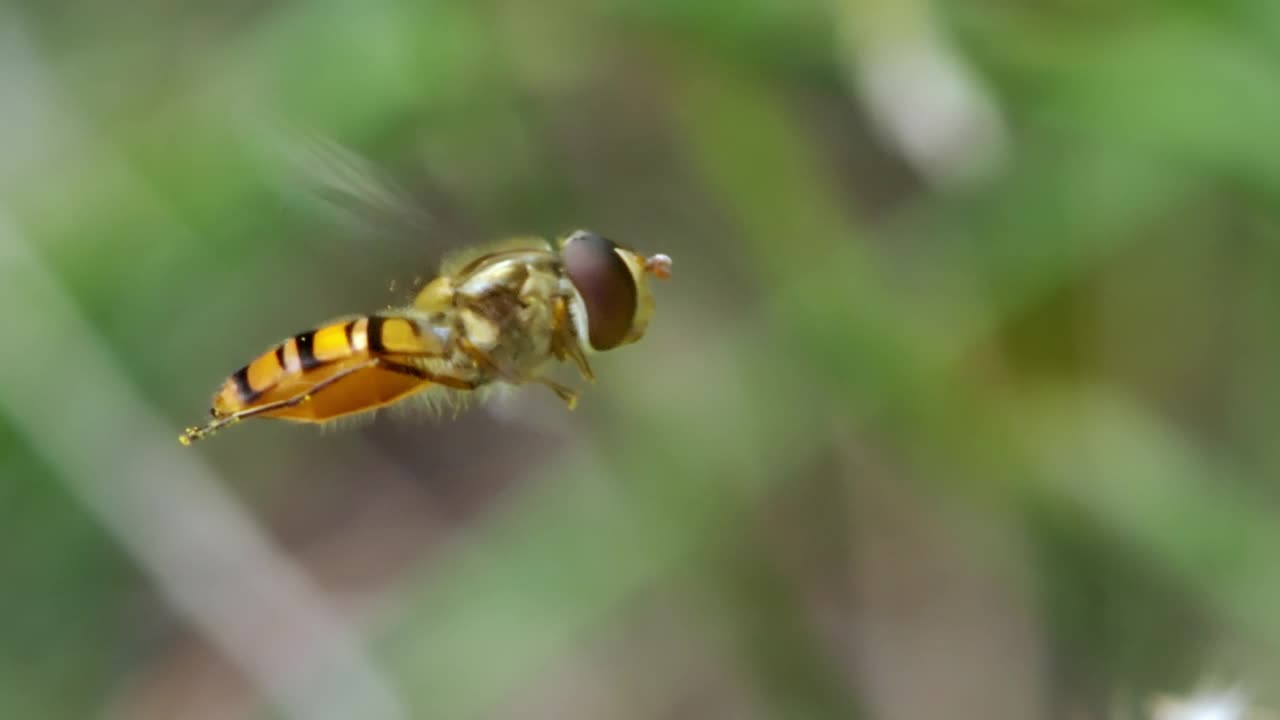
607, 287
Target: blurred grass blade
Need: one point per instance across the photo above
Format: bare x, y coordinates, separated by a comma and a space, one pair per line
1187, 512
63, 392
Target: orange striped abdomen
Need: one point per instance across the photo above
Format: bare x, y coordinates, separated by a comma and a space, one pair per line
298, 365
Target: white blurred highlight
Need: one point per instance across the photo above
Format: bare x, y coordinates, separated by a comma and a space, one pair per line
1229, 704
925, 101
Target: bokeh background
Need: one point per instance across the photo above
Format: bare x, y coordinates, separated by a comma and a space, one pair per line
961, 403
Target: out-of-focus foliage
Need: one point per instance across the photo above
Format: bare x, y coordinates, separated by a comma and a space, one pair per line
961, 403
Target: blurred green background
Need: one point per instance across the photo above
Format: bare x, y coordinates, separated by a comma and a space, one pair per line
961, 402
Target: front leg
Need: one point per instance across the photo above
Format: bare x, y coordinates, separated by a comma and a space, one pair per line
564, 339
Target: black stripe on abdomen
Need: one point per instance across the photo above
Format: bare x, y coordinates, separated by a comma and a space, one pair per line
374, 334
241, 379
306, 356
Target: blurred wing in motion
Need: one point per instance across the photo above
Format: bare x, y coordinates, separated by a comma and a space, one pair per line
337, 181
331, 179
346, 181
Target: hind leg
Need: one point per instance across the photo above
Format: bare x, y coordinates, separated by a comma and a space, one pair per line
427, 377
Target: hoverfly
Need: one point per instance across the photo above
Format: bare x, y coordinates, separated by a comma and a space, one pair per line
503, 314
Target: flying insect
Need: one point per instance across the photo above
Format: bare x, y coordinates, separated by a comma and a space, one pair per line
506, 314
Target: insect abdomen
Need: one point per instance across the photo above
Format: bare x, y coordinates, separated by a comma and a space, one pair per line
284, 365
308, 358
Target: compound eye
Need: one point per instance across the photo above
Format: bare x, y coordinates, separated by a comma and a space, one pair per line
606, 285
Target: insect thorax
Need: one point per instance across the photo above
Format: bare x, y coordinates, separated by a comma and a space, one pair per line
506, 309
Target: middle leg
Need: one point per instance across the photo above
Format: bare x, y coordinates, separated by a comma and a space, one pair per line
487, 361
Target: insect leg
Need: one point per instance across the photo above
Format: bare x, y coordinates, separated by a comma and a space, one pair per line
449, 381
193, 433
487, 361
566, 340
565, 393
